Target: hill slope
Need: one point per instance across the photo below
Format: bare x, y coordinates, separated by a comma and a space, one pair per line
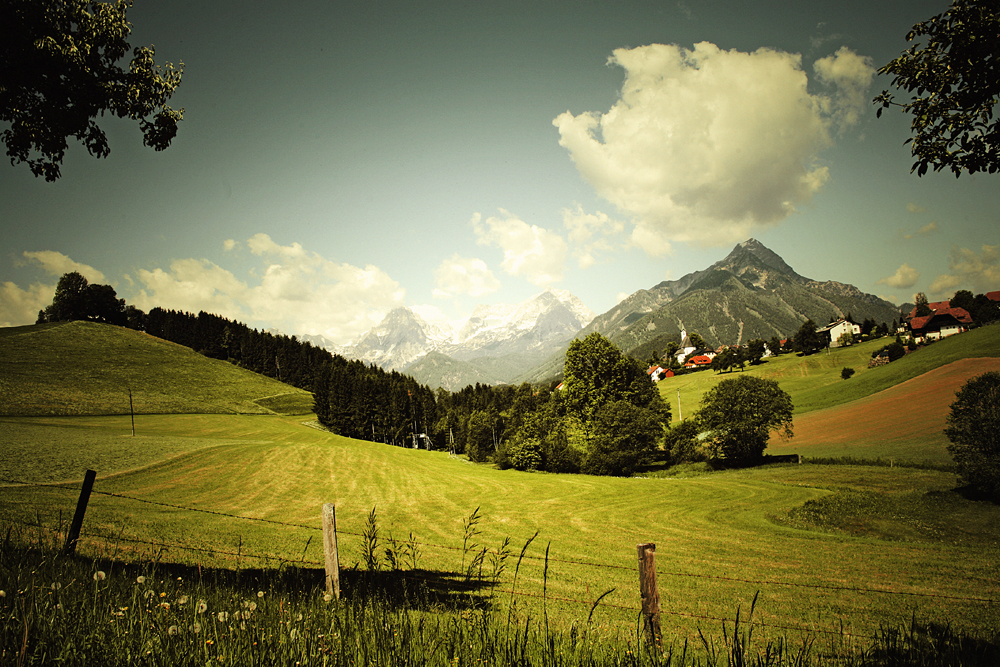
83, 368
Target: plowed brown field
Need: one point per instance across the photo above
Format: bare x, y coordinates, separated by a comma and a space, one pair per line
904, 422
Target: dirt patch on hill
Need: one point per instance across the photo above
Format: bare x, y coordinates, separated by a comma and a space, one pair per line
906, 421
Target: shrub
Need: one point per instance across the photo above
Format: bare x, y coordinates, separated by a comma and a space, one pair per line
846, 373
974, 431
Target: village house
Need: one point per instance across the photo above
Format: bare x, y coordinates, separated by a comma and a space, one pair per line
942, 322
832, 332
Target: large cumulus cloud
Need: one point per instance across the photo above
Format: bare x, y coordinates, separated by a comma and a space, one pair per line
711, 144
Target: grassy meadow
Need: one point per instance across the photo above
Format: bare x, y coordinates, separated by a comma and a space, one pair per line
829, 551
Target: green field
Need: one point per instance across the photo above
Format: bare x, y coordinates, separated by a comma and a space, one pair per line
825, 547
82, 368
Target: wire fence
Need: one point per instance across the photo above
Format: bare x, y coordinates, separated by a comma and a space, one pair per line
101, 538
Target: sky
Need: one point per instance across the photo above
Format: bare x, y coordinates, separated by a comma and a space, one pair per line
337, 160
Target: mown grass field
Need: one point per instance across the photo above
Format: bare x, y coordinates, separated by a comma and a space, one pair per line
826, 547
82, 368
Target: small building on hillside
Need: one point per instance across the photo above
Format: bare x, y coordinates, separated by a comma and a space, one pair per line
699, 361
832, 332
937, 325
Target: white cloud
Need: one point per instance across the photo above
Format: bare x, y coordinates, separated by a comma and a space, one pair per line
529, 251
58, 264
461, 275
230, 244
915, 208
592, 235
708, 145
852, 75
980, 271
299, 291
906, 276
20, 306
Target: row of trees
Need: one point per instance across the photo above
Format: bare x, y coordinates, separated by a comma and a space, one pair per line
606, 418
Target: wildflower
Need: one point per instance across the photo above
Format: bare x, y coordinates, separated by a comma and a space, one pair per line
253, 606
148, 594
163, 595
182, 599
209, 642
202, 606
327, 597
140, 579
260, 594
196, 628
223, 616
100, 576
165, 606
173, 630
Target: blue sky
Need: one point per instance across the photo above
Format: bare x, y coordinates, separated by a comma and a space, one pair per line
339, 159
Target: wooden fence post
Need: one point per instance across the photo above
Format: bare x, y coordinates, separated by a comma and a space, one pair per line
330, 551
650, 594
81, 508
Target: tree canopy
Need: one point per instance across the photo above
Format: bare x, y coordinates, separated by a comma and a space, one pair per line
973, 427
807, 340
955, 83
59, 71
739, 414
76, 299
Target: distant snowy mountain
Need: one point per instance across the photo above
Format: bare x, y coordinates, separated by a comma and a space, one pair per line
497, 330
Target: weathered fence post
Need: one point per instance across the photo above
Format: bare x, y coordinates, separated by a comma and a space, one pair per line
650, 594
81, 508
330, 551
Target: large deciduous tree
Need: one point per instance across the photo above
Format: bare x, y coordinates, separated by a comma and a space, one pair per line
973, 427
954, 79
597, 373
739, 414
59, 70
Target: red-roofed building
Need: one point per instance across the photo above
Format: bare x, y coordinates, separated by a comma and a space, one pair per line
940, 324
698, 361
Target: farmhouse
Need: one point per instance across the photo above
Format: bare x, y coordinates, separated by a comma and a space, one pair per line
938, 325
832, 332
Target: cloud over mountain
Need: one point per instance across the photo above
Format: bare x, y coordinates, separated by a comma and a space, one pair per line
297, 290
707, 143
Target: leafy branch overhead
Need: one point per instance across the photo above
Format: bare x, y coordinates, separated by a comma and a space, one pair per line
59, 71
955, 83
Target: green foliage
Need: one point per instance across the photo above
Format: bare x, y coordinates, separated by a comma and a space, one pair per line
739, 414
596, 373
683, 445
974, 431
807, 340
484, 434
846, 373
59, 71
76, 299
622, 437
955, 86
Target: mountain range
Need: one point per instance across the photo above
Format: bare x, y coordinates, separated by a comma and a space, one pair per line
751, 293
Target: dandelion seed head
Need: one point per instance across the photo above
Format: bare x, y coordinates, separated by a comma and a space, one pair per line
140, 579
202, 606
196, 628
327, 597
223, 616
182, 600
173, 630
100, 576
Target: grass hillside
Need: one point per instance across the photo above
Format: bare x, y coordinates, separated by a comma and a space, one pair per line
895, 411
83, 368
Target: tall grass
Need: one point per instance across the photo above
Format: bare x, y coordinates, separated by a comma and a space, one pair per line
75, 611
